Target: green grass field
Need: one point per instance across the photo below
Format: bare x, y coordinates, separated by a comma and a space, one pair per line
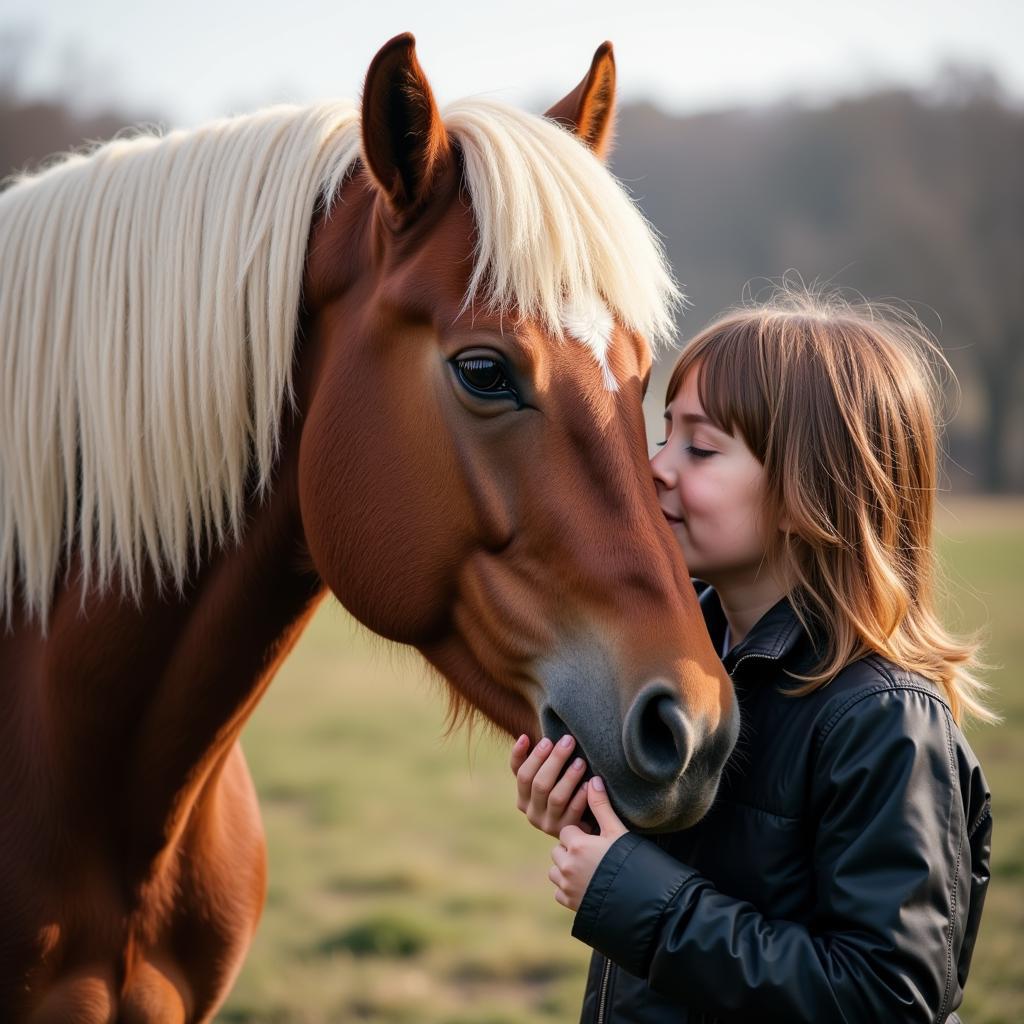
404, 885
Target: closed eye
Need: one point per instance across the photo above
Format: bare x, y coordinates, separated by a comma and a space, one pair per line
697, 453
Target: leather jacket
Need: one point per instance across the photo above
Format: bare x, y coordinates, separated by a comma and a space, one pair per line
839, 876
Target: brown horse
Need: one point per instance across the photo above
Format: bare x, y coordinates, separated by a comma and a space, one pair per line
392, 354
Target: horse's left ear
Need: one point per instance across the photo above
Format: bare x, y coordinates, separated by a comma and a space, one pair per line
405, 144
589, 110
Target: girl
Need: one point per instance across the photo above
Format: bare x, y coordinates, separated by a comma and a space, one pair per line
841, 872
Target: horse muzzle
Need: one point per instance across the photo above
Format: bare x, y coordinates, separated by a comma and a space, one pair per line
661, 764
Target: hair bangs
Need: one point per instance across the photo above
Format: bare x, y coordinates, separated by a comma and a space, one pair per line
731, 375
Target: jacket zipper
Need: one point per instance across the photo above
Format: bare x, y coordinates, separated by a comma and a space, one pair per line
602, 1000
747, 657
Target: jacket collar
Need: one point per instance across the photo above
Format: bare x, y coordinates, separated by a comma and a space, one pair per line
774, 636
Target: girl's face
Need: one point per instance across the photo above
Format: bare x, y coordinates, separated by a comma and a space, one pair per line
710, 486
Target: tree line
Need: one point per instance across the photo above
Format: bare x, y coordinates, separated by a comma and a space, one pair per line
914, 195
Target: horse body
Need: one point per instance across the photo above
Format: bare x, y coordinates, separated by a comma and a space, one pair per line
135, 866
470, 479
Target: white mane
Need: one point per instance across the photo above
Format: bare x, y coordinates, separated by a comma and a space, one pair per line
149, 295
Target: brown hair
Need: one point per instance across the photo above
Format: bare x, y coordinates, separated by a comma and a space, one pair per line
838, 400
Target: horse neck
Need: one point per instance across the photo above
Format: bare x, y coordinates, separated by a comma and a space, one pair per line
136, 707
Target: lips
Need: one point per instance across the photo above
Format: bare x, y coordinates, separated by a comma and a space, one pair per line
671, 518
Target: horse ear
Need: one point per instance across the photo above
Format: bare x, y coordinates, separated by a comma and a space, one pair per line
589, 110
404, 141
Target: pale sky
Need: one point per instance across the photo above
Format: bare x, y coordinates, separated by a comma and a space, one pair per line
194, 59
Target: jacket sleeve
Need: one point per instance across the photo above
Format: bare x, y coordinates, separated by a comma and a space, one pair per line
892, 876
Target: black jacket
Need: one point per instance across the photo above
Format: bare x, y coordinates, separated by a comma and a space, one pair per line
839, 875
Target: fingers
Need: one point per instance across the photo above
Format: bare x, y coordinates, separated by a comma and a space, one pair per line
527, 771
549, 801
577, 805
597, 797
561, 884
567, 790
519, 751
548, 772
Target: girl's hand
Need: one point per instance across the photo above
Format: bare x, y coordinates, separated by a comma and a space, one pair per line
548, 802
577, 854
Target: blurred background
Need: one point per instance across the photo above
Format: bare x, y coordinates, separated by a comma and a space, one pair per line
876, 146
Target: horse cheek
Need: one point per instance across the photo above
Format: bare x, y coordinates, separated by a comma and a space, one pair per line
383, 524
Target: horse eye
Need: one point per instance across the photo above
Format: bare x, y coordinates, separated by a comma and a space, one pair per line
485, 377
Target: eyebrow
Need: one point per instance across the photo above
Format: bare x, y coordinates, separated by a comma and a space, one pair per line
691, 417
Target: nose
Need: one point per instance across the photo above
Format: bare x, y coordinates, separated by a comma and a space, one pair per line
663, 471
657, 737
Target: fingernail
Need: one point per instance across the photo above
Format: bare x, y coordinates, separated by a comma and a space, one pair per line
565, 741
597, 783
544, 744
522, 739
578, 763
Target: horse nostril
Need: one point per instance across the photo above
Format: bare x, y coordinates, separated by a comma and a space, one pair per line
656, 735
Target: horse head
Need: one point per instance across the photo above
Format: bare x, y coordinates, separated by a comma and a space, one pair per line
479, 297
